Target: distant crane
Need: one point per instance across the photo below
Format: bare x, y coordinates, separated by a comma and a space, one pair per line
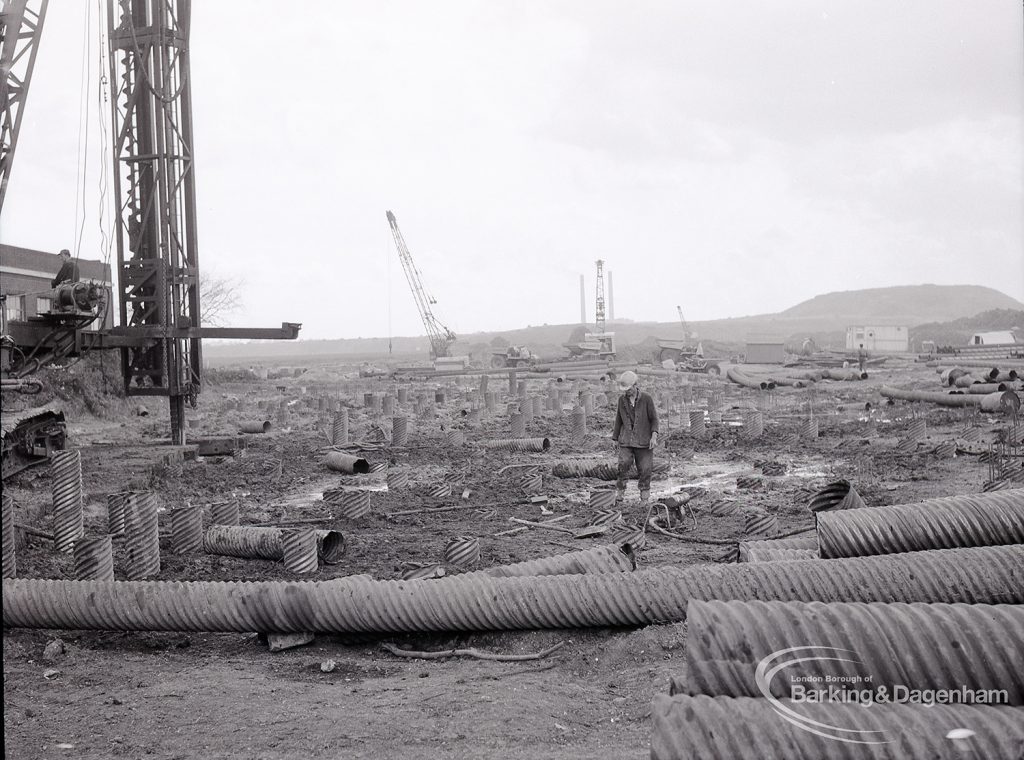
682, 321
441, 338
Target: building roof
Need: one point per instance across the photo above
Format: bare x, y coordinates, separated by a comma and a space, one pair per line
996, 336
772, 340
31, 263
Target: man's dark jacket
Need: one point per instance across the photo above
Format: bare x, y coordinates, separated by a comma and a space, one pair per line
68, 273
634, 424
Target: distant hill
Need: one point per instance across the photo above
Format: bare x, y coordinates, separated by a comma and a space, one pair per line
906, 304
824, 318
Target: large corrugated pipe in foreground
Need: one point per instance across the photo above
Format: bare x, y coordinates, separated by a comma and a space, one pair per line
988, 519
476, 602
600, 559
765, 553
266, 543
1007, 401
795, 543
918, 646
518, 444
698, 728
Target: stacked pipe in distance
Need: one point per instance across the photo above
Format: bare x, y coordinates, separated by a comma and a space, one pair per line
476, 602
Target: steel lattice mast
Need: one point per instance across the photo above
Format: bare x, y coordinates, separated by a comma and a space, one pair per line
440, 336
20, 27
154, 184
599, 298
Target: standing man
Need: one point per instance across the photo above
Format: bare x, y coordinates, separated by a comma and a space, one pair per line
68, 269
636, 432
862, 357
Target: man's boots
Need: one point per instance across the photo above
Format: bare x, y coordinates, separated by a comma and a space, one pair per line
620, 495
645, 496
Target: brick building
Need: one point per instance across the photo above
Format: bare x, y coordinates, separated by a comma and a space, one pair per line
25, 277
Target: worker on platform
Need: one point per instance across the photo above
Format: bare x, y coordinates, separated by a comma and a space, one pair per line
636, 433
68, 269
862, 357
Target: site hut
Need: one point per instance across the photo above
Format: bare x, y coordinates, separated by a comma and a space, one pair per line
996, 338
25, 277
878, 338
765, 349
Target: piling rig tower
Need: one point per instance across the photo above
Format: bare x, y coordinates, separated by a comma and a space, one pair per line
160, 329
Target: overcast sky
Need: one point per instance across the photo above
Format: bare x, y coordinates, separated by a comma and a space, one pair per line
733, 158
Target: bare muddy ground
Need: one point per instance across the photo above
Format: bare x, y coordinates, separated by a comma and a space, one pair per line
185, 695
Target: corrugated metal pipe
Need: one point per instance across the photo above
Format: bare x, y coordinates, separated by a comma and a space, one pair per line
982, 388
741, 378
919, 646
839, 373
266, 543
698, 728
965, 381
949, 376
476, 602
600, 559
518, 444
807, 542
762, 552
339, 461
987, 519
836, 495
255, 426
1007, 401
604, 469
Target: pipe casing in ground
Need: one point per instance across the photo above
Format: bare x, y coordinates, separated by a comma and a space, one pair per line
476, 602
702, 727
988, 519
917, 646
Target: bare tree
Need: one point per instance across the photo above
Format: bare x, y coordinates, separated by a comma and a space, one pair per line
218, 297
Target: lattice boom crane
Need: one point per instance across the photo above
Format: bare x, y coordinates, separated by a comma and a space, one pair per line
440, 336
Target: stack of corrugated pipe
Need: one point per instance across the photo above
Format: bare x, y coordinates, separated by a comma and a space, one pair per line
979, 380
889, 677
